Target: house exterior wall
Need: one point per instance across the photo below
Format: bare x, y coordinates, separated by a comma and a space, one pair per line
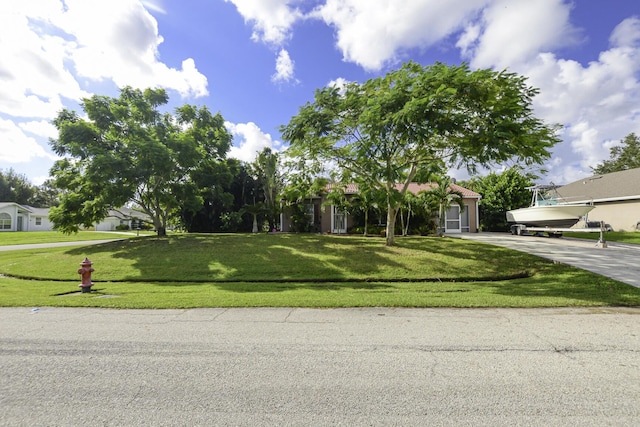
471, 206
45, 224
18, 215
621, 216
108, 224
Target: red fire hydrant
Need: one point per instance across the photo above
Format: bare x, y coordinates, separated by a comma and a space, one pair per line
85, 271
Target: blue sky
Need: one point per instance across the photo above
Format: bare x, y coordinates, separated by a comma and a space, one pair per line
258, 61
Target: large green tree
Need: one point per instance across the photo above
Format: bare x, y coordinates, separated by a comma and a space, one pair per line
387, 129
129, 152
501, 192
622, 157
15, 187
266, 168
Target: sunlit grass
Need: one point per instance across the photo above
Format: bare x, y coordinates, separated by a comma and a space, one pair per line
244, 270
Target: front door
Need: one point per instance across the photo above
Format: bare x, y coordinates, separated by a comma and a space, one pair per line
338, 221
20, 223
452, 220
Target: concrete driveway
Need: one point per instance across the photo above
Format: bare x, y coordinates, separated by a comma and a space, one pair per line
617, 261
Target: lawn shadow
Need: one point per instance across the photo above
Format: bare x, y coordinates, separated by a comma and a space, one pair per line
246, 257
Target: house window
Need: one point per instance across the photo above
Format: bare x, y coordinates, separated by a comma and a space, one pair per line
5, 221
310, 212
38, 220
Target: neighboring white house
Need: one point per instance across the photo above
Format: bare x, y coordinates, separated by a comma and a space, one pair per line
16, 217
616, 197
122, 216
39, 219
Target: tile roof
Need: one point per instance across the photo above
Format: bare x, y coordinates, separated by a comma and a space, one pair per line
623, 185
415, 188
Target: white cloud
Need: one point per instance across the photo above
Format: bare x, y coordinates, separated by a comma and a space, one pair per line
53, 46
271, 19
250, 140
597, 103
42, 128
154, 5
118, 40
55, 51
18, 147
375, 33
512, 31
284, 68
627, 34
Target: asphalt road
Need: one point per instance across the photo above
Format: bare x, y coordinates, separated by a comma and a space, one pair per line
281, 366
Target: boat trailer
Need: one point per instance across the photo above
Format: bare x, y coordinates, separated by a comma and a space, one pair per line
523, 230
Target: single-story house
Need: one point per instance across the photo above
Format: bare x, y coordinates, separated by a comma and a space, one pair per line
329, 218
616, 197
122, 216
16, 217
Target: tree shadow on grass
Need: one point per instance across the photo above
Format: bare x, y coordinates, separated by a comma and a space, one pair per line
283, 262
245, 258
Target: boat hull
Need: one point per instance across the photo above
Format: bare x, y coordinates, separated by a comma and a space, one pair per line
556, 216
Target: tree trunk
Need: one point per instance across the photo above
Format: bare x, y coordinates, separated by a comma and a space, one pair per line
162, 231
255, 223
391, 226
366, 220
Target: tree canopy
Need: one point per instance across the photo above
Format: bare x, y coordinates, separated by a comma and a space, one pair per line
500, 193
15, 187
386, 130
622, 157
128, 151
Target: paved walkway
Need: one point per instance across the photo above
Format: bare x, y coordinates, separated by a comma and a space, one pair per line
617, 261
54, 245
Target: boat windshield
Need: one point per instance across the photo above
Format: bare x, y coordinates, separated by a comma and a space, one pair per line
544, 199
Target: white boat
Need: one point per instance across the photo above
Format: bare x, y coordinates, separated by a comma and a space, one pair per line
548, 209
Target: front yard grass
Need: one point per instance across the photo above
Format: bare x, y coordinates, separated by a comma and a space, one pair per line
288, 270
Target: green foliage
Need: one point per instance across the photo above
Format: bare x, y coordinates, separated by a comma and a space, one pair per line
15, 188
300, 220
444, 197
622, 157
266, 168
384, 131
128, 151
500, 193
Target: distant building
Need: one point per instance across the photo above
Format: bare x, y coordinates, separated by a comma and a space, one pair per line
616, 197
16, 217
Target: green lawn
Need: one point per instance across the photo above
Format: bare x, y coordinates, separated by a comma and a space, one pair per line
32, 237
243, 270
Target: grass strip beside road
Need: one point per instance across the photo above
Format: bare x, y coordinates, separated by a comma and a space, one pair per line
283, 270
